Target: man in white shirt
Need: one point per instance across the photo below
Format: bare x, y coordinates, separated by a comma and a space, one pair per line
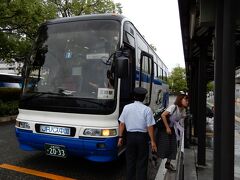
138, 120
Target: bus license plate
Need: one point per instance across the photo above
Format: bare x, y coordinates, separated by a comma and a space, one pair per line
55, 150
55, 130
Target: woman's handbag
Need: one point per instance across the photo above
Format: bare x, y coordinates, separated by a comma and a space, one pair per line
160, 124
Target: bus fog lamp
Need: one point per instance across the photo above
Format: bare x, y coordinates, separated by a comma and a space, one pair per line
101, 145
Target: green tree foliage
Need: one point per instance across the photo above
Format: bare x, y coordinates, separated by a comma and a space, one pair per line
177, 80
20, 19
67, 8
210, 86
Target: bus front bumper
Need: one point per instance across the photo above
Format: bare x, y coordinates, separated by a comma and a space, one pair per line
93, 149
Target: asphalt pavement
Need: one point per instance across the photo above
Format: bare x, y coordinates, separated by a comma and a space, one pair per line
34, 165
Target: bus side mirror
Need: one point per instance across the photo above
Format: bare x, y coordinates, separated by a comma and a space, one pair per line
122, 67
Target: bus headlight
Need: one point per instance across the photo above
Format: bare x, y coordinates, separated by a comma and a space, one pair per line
100, 132
21, 124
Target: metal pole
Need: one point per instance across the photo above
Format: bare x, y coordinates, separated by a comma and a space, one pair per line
195, 114
224, 92
201, 156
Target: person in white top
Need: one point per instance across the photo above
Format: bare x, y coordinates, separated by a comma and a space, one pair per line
172, 118
138, 120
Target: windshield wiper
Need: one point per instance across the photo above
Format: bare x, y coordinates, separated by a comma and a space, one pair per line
92, 101
39, 94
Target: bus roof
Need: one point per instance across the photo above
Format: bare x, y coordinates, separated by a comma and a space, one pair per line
111, 16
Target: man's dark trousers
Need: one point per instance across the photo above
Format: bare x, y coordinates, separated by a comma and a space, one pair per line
137, 155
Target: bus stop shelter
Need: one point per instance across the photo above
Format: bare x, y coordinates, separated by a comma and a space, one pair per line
211, 42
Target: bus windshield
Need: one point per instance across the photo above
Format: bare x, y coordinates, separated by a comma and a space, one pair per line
74, 59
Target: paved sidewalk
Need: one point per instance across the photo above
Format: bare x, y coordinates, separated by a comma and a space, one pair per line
190, 171
164, 174
194, 172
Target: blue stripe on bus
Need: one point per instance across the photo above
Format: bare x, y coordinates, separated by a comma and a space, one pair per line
88, 148
10, 85
157, 81
146, 78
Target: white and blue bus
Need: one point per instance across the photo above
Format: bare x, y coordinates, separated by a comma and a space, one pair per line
10, 81
85, 69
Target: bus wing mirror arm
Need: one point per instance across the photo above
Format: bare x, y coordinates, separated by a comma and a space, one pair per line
122, 67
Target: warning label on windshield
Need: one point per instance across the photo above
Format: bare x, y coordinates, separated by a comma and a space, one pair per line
105, 93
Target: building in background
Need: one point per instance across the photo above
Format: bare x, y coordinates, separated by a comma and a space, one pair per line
12, 68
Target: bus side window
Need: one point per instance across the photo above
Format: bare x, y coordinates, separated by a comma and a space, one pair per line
155, 70
146, 75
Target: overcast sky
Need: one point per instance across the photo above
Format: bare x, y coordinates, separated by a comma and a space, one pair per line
158, 21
